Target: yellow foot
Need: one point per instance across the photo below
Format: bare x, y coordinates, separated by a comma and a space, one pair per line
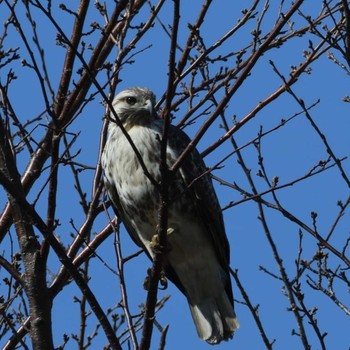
154, 243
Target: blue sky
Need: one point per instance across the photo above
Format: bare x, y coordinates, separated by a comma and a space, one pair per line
288, 153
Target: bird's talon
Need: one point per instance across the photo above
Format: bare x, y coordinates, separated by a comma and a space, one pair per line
154, 242
163, 281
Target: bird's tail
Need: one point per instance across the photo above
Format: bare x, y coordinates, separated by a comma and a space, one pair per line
215, 319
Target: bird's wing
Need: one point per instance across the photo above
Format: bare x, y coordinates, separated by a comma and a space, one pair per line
120, 213
201, 191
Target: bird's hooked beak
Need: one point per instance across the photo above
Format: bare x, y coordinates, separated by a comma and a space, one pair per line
148, 106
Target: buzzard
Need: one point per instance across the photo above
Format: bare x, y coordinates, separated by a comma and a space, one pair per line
198, 258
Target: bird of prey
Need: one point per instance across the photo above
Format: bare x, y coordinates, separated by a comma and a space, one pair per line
198, 258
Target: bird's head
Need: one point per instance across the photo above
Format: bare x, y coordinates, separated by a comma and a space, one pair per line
135, 106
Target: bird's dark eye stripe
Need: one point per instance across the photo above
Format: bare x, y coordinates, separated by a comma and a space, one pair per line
130, 100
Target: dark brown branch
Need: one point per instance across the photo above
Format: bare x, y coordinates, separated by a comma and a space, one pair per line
253, 310
343, 207
31, 55
315, 54
275, 252
70, 58
319, 168
52, 194
11, 270
125, 302
347, 30
239, 81
34, 280
314, 125
156, 269
66, 261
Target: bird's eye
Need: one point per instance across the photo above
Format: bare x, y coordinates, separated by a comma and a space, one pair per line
130, 100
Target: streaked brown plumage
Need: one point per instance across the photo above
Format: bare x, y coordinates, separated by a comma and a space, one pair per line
198, 260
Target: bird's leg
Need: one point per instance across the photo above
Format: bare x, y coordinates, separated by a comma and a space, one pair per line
162, 280
157, 248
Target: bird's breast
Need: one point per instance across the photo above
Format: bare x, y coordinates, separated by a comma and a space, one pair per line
124, 169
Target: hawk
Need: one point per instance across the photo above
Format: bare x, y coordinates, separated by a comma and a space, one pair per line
198, 258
